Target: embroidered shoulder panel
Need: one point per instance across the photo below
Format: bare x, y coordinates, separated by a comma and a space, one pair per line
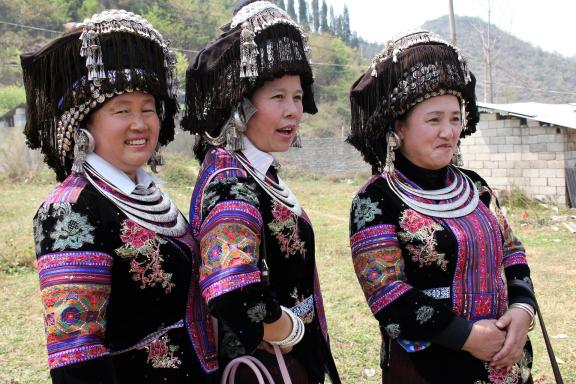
379, 265
68, 191
216, 160
229, 248
75, 289
62, 226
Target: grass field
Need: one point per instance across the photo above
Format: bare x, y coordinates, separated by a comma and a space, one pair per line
354, 333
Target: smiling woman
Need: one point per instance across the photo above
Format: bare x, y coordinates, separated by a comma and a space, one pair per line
125, 131
115, 256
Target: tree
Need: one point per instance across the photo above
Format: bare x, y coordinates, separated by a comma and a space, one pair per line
290, 9
303, 14
345, 25
332, 27
324, 17
316, 15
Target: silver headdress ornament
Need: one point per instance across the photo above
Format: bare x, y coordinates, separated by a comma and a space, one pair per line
254, 18
406, 40
119, 20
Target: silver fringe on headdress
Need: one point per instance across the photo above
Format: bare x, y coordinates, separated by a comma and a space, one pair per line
254, 18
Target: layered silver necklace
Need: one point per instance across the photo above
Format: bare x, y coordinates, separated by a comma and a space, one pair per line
458, 199
148, 207
279, 191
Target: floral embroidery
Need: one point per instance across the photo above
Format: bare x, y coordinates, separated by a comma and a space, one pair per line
421, 229
143, 246
503, 375
393, 330
231, 344
365, 211
246, 192
424, 313
161, 355
210, 199
285, 228
257, 313
72, 229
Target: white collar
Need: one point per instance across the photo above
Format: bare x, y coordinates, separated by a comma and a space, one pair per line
118, 178
259, 159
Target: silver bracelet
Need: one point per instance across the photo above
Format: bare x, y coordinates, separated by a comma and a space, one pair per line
528, 309
296, 334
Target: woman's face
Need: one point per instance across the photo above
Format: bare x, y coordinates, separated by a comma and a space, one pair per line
279, 105
125, 129
431, 131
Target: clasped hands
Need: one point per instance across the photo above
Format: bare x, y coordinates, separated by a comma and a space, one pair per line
501, 341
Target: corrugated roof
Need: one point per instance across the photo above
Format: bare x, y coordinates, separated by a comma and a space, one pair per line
558, 114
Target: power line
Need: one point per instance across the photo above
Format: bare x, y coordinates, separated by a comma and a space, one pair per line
30, 27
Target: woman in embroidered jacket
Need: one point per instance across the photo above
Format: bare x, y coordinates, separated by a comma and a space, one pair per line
245, 99
114, 254
433, 254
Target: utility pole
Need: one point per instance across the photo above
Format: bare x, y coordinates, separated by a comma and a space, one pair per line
452, 23
488, 89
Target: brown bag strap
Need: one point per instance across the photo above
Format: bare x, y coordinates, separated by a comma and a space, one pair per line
528, 290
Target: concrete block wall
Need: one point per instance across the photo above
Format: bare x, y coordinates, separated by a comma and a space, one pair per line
507, 154
330, 156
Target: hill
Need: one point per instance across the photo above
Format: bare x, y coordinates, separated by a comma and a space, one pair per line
521, 71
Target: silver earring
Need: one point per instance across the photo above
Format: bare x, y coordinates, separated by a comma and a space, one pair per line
297, 141
83, 145
393, 142
235, 128
457, 156
156, 160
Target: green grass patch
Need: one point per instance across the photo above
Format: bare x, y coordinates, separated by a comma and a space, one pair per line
354, 331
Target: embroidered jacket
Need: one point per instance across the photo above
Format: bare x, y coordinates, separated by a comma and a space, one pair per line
235, 221
427, 279
117, 296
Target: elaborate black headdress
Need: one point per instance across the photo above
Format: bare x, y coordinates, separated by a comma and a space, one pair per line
260, 43
411, 69
111, 53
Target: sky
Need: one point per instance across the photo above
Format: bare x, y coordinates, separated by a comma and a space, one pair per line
545, 24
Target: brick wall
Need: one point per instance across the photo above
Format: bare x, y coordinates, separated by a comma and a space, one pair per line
507, 153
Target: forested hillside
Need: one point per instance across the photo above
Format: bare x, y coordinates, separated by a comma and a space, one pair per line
521, 71
189, 24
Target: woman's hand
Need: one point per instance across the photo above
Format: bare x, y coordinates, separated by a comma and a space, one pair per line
516, 322
485, 340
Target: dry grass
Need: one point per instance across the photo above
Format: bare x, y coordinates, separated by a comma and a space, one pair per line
354, 332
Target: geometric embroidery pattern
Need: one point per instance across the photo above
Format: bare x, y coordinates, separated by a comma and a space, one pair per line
229, 248
378, 264
75, 288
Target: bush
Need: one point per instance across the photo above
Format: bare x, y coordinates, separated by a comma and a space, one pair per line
11, 97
